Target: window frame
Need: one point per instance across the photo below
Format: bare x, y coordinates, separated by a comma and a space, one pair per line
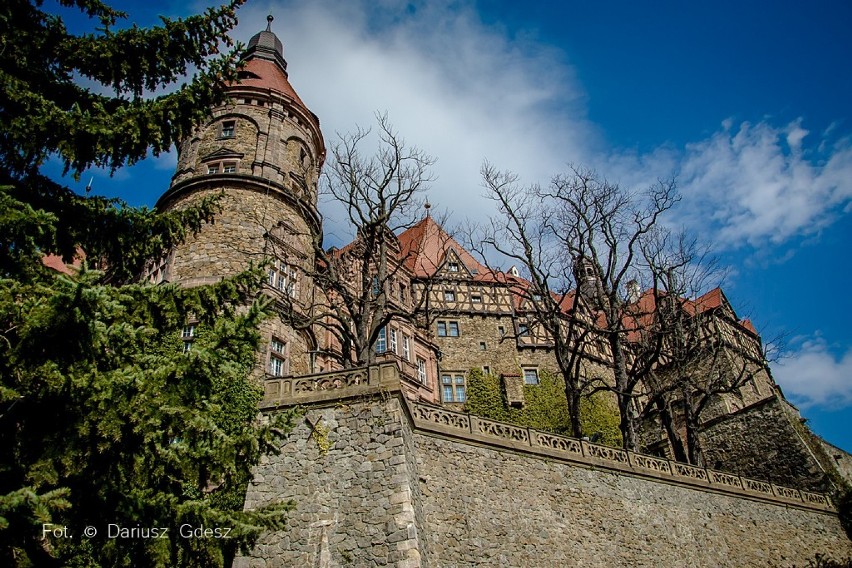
421, 370
453, 329
278, 363
381, 340
406, 347
228, 129
187, 335
535, 379
392, 341
457, 385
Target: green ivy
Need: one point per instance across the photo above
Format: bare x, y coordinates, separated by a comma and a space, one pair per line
545, 406
599, 414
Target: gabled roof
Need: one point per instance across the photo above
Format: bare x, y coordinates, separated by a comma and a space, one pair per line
424, 248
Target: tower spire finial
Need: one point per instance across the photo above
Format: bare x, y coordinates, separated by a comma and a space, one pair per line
427, 206
269, 19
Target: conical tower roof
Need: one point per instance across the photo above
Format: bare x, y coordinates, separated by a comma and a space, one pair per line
265, 67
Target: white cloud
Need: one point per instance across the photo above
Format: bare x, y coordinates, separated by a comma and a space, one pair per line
749, 189
451, 85
463, 91
813, 376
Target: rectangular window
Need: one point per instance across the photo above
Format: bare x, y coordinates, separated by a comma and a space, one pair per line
277, 358
453, 266
460, 394
421, 370
502, 331
453, 328
486, 370
447, 387
381, 341
523, 330
376, 286
228, 128
276, 366
482, 346
442, 329
188, 336
402, 293
531, 375
393, 340
229, 168
449, 296
213, 169
453, 388
406, 348
283, 277
476, 298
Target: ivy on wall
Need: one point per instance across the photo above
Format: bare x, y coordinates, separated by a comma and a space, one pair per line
545, 406
599, 413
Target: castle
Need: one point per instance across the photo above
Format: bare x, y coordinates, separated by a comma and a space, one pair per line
403, 475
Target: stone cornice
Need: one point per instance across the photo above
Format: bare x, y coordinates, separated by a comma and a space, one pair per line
241, 181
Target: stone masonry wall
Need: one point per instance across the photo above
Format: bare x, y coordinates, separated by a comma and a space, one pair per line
391, 490
762, 441
486, 507
356, 505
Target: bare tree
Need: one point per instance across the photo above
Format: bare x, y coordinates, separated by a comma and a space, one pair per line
584, 232
672, 332
381, 194
706, 352
523, 234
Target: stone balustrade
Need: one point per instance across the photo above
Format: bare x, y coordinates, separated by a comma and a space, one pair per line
465, 426
385, 378
318, 387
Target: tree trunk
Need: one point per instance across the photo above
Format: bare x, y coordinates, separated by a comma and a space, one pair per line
671, 433
693, 445
574, 411
625, 409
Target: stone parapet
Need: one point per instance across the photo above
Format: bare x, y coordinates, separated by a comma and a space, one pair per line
385, 378
378, 480
319, 387
479, 430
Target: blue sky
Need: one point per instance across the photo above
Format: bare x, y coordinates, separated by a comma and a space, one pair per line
746, 103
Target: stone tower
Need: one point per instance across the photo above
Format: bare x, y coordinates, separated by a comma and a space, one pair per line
262, 151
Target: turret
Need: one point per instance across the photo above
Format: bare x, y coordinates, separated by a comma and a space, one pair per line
262, 151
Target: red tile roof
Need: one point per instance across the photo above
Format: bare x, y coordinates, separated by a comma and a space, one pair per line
55, 262
268, 75
424, 248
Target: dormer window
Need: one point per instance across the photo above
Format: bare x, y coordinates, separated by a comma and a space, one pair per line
228, 129
213, 169
453, 266
229, 168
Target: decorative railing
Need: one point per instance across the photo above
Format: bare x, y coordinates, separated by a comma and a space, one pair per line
283, 391
385, 378
466, 426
